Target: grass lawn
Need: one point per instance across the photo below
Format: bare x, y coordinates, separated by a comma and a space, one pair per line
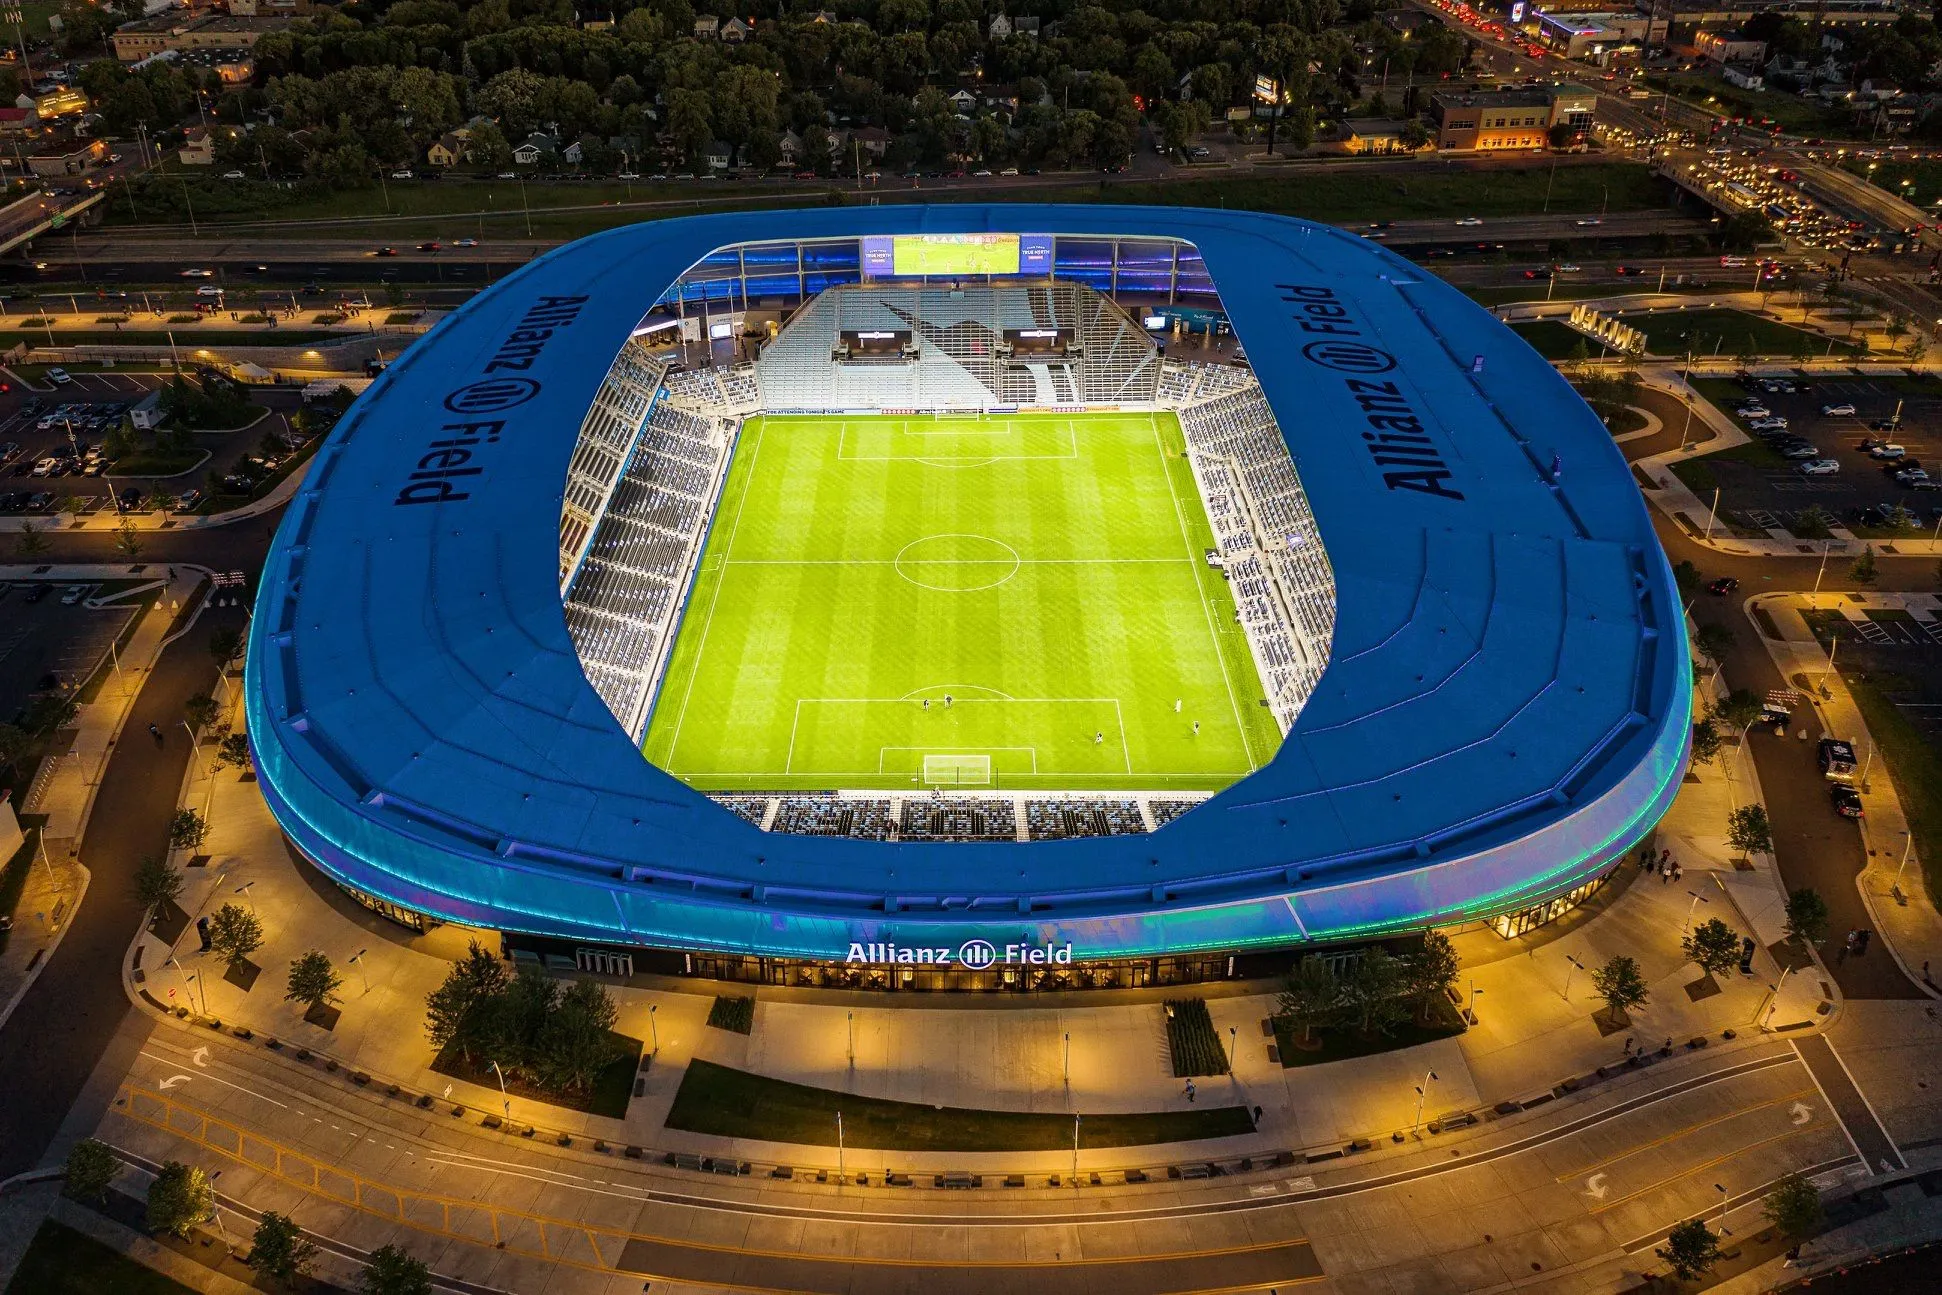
61, 1261
609, 1095
1726, 332
1341, 1044
1044, 573
156, 463
1554, 341
1888, 176
1698, 472
735, 1104
1790, 112
1914, 764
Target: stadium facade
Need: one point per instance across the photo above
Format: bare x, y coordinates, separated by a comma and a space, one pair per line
1465, 629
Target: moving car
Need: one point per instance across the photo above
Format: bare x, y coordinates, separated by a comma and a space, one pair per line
1723, 586
1468, 220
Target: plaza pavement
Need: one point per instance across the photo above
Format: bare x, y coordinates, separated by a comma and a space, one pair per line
1535, 1026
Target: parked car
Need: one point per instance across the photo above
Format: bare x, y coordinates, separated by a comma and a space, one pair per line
1753, 409
1846, 801
1772, 423
232, 175
1800, 452
35, 593
73, 594
1885, 425
1837, 411
1911, 476
1886, 450
1819, 467
59, 377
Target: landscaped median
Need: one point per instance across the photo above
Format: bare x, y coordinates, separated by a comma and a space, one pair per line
725, 1103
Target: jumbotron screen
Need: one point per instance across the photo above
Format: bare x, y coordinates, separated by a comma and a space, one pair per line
952, 254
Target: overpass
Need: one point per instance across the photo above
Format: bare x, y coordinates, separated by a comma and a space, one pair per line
27, 218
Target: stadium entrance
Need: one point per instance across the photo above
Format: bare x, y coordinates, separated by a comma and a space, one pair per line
1131, 973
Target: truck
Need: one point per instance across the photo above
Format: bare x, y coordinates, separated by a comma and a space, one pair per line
147, 413
1837, 759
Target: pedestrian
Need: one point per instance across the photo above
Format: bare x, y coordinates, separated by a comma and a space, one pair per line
1190, 1090
947, 701
927, 703
1925, 973
1665, 876
1628, 1045
1668, 1044
1665, 858
1652, 863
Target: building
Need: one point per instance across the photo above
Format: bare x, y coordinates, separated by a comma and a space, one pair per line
1489, 120
50, 103
69, 158
447, 150
1729, 46
18, 121
1592, 37
1370, 135
198, 147
145, 37
735, 31
707, 26
1483, 690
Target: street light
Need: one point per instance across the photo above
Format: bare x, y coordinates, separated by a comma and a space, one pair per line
653, 1027
1698, 899
1422, 1091
1575, 965
1774, 1006
1723, 1229
357, 960
1474, 994
244, 891
1068, 1058
505, 1102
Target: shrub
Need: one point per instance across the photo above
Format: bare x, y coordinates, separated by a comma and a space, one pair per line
733, 1014
1193, 1040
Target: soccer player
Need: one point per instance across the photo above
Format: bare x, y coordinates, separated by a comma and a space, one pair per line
1098, 739
927, 703
1176, 705
947, 701
1196, 728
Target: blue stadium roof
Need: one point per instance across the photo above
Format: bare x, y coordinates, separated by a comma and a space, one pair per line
1505, 710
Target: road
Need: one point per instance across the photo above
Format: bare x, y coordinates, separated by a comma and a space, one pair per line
62, 1028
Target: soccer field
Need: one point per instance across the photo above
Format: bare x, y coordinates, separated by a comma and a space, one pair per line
1014, 602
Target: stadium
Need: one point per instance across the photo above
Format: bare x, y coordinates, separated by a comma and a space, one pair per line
967, 596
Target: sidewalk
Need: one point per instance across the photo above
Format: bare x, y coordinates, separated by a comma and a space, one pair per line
1001, 1054
1895, 895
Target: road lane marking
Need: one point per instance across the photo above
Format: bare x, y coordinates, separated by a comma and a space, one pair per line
1689, 1129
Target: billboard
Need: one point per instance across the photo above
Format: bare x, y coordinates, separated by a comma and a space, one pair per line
946, 255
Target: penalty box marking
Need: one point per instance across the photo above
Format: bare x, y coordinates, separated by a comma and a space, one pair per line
1119, 723
978, 456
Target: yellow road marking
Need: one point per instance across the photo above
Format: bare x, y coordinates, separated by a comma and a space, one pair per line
1680, 1133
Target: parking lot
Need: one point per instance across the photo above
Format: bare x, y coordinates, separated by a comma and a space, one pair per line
52, 445
1760, 491
47, 642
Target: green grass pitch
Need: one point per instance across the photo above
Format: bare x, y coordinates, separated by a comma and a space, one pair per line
1046, 573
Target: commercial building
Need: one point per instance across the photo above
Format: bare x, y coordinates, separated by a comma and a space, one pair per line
1467, 635
146, 37
1494, 120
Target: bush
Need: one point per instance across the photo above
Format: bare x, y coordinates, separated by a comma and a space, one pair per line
178, 1199
1193, 1040
734, 1014
91, 1168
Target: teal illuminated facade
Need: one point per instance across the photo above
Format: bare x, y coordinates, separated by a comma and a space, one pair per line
1506, 707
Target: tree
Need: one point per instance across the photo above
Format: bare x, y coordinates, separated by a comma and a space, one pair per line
1807, 916
280, 1250
1691, 1249
235, 933
1713, 945
179, 1198
390, 1271
313, 981
1748, 831
128, 540
234, 749
200, 712
1310, 996
1687, 577
13, 744
1706, 742
156, 883
576, 1042
1619, 983
1794, 1207
1862, 570
29, 543
1374, 992
1433, 968
49, 711
1739, 709
1813, 523
91, 1169
453, 1011
225, 645
187, 830
1714, 641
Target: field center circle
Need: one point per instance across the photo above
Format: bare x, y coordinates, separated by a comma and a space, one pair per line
957, 564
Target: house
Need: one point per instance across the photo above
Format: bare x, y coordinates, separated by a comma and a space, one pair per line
447, 150
735, 31
874, 140
572, 154
18, 121
1745, 76
1025, 27
823, 16
791, 146
535, 147
1000, 27
1723, 47
717, 155
963, 101
707, 26
198, 149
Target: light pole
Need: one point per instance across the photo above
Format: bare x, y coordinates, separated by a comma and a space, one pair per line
1774, 1005
1723, 1229
505, 1102
654, 1028
1822, 569
1575, 966
1908, 844
1698, 899
839, 1150
1075, 1151
357, 959
1712, 513
244, 891
850, 1017
1474, 993
1233, 1046
1068, 1058
1422, 1091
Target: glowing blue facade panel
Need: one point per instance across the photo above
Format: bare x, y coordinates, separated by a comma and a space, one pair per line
1506, 707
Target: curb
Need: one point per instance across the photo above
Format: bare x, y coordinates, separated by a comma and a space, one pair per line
80, 894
